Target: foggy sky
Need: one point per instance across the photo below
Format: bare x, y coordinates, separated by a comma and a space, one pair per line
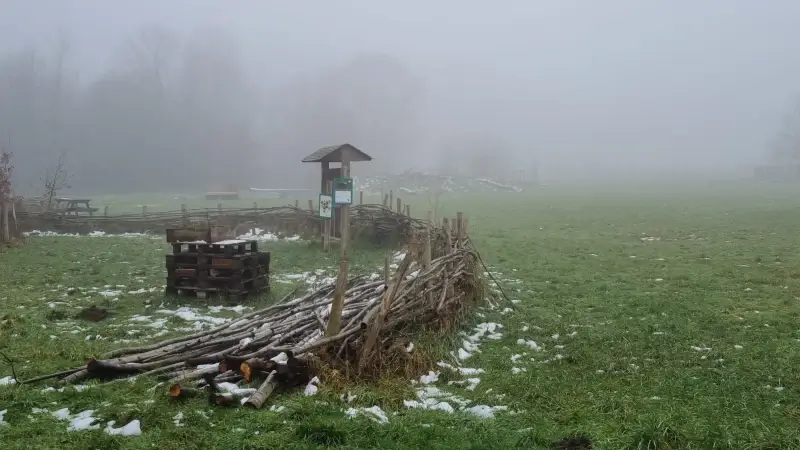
578, 86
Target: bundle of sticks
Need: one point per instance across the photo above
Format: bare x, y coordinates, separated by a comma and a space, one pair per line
376, 310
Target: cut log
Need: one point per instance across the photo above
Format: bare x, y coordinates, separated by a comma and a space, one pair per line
178, 391
257, 400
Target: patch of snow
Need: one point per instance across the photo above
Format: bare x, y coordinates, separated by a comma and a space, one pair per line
410, 347
373, 412
2, 414
311, 387
231, 242
348, 398
532, 344
517, 370
5, 381
177, 419
431, 377
133, 428
83, 421
282, 358
110, 293
484, 411
701, 348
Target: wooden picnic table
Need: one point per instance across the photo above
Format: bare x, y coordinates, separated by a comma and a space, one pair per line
75, 206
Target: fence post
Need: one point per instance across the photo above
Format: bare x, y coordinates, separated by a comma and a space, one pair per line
391, 198
426, 259
386, 201
399, 206
459, 227
219, 208
360, 197
297, 204
408, 210
105, 211
255, 206
144, 210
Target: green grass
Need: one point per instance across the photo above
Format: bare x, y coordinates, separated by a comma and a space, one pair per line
721, 272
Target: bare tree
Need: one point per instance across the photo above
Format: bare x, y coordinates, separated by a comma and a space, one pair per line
786, 146
6, 168
434, 196
153, 52
55, 179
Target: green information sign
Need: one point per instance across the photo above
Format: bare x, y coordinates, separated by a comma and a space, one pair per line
343, 191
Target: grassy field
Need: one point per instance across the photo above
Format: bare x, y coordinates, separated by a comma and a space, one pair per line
664, 320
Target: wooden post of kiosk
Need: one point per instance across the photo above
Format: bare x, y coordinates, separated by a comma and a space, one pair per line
334, 323
344, 154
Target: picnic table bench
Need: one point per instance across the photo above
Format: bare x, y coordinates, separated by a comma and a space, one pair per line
76, 206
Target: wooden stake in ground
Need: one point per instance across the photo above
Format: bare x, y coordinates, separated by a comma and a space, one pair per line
335, 320
386, 305
257, 400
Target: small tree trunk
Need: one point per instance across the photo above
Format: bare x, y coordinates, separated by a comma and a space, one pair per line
257, 400
6, 236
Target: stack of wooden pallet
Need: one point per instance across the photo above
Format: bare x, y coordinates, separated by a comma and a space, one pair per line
231, 267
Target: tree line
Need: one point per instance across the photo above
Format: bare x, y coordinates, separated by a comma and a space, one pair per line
181, 113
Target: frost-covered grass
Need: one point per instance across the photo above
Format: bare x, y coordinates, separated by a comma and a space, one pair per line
641, 320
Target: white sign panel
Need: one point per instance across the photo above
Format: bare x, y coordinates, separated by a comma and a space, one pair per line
344, 197
325, 206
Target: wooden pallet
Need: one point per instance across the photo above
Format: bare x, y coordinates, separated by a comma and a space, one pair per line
238, 261
201, 294
227, 248
214, 274
218, 287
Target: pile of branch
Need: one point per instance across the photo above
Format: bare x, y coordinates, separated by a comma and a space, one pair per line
422, 292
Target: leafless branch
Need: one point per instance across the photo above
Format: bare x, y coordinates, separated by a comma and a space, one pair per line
55, 180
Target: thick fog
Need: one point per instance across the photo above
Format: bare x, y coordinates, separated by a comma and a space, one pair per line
187, 95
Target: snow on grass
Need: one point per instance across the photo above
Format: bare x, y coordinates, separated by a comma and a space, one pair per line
469, 384
373, 412
177, 419
430, 377
484, 411
433, 398
461, 370
311, 387
83, 421
2, 414
532, 344
481, 331
39, 233
133, 428
258, 234
190, 315
6, 381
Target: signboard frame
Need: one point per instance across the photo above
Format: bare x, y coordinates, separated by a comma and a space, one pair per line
325, 213
343, 191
